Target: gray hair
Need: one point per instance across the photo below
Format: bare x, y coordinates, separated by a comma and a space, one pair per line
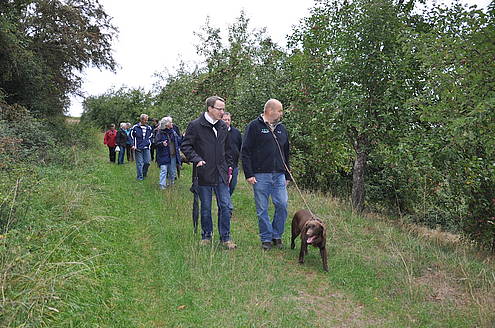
226, 114
210, 101
123, 125
164, 121
143, 116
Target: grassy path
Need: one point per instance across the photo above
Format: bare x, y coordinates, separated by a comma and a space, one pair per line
150, 270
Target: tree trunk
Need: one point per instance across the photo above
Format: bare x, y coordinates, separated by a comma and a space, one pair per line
358, 193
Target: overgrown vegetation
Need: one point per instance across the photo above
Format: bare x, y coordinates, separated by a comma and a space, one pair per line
44, 47
388, 105
96, 248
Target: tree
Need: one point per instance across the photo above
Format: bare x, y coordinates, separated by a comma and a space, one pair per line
46, 44
361, 76
246, 70
115, 106
457, 103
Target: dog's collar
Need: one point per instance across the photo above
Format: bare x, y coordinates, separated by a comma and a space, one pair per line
314, 218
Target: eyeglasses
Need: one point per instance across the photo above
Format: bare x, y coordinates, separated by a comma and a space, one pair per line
217, 108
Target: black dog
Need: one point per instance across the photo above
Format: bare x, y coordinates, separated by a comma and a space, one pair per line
313, 231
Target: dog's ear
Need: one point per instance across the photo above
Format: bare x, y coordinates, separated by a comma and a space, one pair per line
324, 230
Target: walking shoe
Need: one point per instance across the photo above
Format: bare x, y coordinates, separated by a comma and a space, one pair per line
266, 245
229, 244
205, 242
277, 243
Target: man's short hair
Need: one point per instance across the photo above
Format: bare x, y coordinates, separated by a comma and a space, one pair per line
143, 116
210, 101
226, 114
270, 105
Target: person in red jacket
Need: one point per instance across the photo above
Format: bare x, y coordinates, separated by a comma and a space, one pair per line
109, 140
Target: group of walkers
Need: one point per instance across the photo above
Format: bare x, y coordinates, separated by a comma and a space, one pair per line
119, 141
214, 148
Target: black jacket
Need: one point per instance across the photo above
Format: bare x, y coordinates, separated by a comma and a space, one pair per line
235, 144
121, 138
201, 144
260, 153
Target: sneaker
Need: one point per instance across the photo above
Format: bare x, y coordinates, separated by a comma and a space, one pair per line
277, 243
162, 187
266, 245
229, 244
205, 242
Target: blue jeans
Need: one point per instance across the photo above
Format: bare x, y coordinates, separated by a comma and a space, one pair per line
143, 158
233, 182
223, 200
270, 184
121, 155
168, 170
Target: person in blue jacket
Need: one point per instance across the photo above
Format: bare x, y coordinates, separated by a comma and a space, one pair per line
167, 145
141, 134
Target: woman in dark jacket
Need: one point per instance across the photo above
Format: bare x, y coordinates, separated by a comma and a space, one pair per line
128, 146
167, 144
121, 142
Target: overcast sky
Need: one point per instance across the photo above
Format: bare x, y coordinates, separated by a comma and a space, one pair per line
156, 34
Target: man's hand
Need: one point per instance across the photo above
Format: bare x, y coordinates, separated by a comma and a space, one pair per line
251, 180
200, 163
133, 147
229, 174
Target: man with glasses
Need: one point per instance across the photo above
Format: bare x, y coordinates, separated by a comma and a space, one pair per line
206, 144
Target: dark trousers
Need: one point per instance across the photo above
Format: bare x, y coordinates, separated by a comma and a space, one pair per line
130, 153
152, 152
111, 153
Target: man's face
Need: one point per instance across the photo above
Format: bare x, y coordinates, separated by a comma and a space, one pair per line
216, 111
144, 120
226, 119
276, 113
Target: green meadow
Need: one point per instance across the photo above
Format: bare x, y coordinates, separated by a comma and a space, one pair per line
99, 249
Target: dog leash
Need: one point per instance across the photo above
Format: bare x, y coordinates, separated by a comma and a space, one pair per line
288, 170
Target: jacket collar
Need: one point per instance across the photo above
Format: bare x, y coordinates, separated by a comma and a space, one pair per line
209, 119
261, 119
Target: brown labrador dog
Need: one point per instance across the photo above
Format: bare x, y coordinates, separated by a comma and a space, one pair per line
313, 232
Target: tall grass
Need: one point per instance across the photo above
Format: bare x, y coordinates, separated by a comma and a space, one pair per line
98, 249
